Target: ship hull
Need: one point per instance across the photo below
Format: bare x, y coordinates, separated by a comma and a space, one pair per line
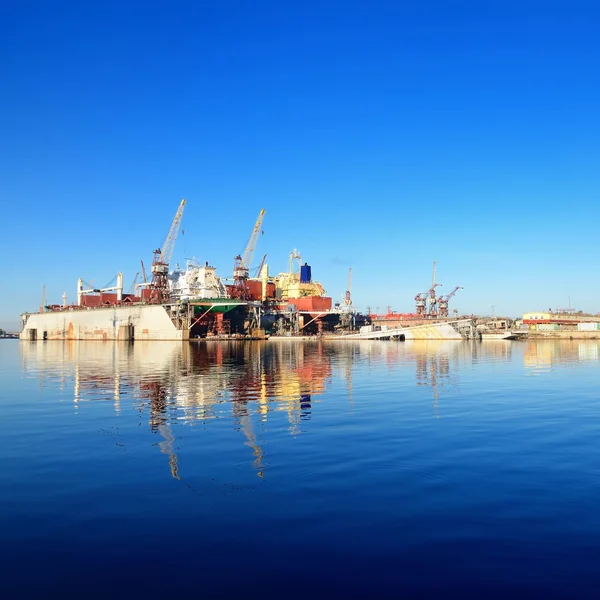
125, 323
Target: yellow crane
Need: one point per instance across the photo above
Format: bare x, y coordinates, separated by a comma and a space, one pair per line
242, 262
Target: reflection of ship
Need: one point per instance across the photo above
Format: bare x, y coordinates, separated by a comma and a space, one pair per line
256, 386
192, 384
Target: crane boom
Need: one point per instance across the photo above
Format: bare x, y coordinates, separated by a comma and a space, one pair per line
251, 245
443, 301
132, 288
261, 265
458, 287
167, 248
241, 264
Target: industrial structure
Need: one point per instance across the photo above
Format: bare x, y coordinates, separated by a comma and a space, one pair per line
428, 305
194, 302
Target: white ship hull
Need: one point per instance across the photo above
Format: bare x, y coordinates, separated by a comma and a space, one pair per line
139, 322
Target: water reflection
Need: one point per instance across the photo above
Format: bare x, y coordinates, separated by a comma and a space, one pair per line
543, 355
246, 382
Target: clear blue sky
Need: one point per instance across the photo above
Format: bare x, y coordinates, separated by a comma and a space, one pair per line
377, 135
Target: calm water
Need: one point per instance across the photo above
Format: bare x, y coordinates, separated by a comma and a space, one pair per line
287, 469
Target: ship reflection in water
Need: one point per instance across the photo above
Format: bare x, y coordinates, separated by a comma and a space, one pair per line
373, 460
176, 383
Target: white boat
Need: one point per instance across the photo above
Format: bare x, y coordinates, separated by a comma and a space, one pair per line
502, 335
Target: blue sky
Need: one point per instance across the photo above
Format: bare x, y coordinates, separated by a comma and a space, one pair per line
377, 135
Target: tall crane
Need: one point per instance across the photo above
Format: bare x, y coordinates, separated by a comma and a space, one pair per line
144, 272
348, 299
433, 309
443, 301
241, 265
160, 262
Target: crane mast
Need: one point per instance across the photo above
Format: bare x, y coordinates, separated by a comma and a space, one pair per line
241, 264
348, 299
433, 309
160, 262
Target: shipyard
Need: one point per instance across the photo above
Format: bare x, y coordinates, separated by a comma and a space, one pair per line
194, 303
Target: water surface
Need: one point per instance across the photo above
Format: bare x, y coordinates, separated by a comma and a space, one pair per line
300, 469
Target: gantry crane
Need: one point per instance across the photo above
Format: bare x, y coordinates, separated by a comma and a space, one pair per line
421, 303
443, 301
241, 265
160, 263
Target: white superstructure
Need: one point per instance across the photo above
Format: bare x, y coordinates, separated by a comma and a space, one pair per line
197, 281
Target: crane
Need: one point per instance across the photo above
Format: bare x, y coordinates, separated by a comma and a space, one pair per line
433, 310
241, 265
261, 265
132, 288
443, 301
144, 272
160, 262
420, 303
348, 299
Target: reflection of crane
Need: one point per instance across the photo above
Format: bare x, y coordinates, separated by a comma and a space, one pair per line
160, 262
166, 447
348, 299
443, 301
241, 265
246, 423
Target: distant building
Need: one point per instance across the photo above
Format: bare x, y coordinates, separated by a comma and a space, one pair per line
550, 321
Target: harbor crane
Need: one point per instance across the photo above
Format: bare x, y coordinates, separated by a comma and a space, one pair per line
433, 307
443, 301
241, 265
421, 303
160, 263
348, 298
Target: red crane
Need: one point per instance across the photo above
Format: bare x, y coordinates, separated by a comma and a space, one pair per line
442, 301
421, 303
